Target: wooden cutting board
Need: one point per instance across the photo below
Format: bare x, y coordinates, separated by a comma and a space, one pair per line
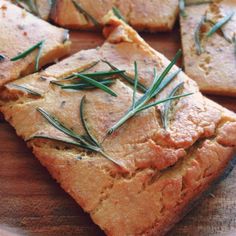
30, 200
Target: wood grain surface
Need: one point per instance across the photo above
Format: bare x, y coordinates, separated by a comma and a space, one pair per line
30, 200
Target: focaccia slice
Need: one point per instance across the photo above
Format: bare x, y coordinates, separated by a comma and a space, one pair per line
214, 69
19, 32
162, 170
143, 15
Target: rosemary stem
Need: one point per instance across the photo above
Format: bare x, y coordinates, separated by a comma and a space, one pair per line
126, 117
112, 160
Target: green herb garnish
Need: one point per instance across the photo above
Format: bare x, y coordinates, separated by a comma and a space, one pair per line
72, 76
182, 8
27, 90
197, 35
2, 57
96, 84
87, 141
38, 46
219, 24
118, 14
29, 5
83, 86
85, 13
126, 77
142, 103
89, 81
167, 105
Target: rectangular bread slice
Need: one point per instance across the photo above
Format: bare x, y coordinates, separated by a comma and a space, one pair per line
143, 15
20, 31
161, 172
214, 69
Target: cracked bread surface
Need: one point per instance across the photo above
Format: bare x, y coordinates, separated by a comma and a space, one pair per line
20, 31
143, 15
215, 68
168, 169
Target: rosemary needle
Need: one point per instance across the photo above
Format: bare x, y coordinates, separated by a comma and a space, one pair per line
167, 105
126, 77
142, 103
182, 8
27, 90
85, 13
219, 24
31, 6
2, 57
82, 86
96, 84
197, 35
118, 14
72, 76
135, 83
38, 46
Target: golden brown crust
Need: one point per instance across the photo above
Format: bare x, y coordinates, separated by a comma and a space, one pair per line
18, 32
168, 169
143, 15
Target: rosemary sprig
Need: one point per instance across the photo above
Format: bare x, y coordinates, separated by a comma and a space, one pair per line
2, 57
167, 105
219, 24
83, 86
96, 84
182, 8
90, 80
126, 77
72, 76
118, 14
27, 90
85, 13
142, 103
197, 35
29, 5
87, 141
38, 46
